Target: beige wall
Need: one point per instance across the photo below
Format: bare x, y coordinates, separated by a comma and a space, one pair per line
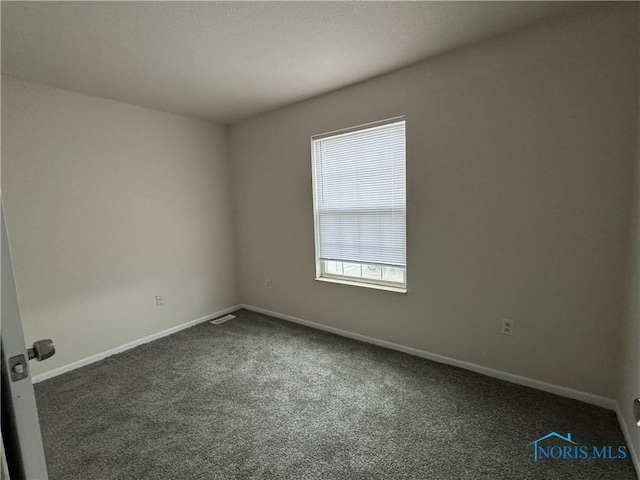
519, 158
107, 205
630, 357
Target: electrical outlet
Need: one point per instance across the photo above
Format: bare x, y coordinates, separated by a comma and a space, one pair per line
268, 283
159, 300
507, 327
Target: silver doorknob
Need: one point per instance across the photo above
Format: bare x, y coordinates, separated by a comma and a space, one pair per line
41, 350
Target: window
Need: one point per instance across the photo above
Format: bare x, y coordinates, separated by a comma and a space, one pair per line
359, 189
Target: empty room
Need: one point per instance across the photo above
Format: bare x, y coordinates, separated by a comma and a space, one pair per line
320, 240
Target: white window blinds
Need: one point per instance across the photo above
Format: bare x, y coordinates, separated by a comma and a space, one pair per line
360, 194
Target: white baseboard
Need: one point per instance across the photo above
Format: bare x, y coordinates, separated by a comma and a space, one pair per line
604, 402
635, 455
127, 346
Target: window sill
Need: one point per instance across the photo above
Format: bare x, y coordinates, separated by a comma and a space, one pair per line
375, 286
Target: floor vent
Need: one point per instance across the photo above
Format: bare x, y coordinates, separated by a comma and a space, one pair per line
220, 320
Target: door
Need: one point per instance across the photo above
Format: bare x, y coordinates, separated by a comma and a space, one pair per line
20, 426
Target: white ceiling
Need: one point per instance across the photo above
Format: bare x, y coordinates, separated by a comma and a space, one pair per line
226, 61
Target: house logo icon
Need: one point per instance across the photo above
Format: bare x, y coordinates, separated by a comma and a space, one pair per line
564, 448
545, 452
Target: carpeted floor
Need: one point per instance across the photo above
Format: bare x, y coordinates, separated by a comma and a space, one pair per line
259, 398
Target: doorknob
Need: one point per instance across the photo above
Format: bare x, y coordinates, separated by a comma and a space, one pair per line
41, 350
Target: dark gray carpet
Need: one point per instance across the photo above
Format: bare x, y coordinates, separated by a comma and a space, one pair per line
259, 398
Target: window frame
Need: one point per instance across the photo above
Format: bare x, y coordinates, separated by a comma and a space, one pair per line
321, 274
